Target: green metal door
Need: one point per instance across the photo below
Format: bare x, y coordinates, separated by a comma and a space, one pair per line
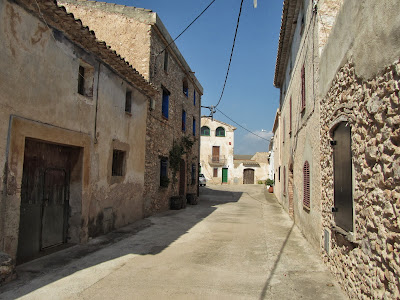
224, 175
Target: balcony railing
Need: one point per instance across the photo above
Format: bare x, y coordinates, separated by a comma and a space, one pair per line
216, 160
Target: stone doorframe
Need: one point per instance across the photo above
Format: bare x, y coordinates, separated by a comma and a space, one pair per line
20, 129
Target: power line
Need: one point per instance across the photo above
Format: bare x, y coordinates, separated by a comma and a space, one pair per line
243, 126
188, 26
230, 59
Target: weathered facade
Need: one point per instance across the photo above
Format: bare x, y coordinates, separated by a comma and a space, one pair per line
251, 169
360, 149
173, 117
72, 132
349, 133
297, 166
216, 154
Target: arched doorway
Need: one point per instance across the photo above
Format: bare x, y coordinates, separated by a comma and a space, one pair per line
248, 176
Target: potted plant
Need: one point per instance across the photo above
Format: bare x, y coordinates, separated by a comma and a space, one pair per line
270, 185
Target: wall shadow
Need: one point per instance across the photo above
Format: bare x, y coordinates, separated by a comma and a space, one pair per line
149, 236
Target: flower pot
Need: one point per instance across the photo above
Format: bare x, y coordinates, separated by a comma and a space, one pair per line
191, 199
271, 189
176, 202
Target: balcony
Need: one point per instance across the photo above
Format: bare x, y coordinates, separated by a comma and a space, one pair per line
216, 160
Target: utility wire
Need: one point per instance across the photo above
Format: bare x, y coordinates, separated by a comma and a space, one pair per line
230, 59
188, 26
243, 127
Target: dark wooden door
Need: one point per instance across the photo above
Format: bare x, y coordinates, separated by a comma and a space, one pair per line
44, 198
215, 153
248, 176
342, 172
182, 178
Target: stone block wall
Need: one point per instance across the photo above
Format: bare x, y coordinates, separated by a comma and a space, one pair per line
368, 264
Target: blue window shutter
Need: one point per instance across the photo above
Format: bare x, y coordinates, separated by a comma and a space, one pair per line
194, 126
183, 120
165, 105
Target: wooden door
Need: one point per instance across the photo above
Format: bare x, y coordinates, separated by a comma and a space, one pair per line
224, 175
215, 153
248, 176
342, 172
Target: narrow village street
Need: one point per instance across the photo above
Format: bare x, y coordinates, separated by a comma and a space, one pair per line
236, 243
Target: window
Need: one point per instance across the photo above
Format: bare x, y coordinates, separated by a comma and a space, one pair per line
215, 172
194, 127
193, 174
194, 97
303, 88
128, 102
164, 181
165, 103
165, 60
85, 79
185, 88
290, 115
306, 185
205, 131
284, 180
183, 120
220, 131
279, 174
118, 163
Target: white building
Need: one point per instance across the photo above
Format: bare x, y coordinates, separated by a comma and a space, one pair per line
216, 150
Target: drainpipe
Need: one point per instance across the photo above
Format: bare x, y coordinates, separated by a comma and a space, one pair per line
97, 105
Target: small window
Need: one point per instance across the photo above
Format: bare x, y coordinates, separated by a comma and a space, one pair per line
193, 174
279, 174
303, 88
205, 131
220, 131
85, 79
194, 127
306, 185
185, 88
165, 60
164, 181
183, 120
128, 102
215, 172
194, 97
118, 163
165, 103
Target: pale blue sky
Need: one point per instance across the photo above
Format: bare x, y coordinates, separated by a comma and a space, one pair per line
250, 97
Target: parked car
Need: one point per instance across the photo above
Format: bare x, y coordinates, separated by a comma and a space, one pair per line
202, 180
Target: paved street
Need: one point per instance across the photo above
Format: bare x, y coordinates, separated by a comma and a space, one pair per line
235, 244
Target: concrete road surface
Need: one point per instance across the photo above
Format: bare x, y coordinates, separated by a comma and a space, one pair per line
236, 244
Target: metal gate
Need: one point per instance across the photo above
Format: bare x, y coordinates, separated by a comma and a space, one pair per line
342, 168
44, 199
248, 176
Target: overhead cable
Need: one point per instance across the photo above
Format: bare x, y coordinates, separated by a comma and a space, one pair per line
244, 127
187, 27
230, 59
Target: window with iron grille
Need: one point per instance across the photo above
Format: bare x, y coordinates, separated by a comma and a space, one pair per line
306, 185
215, 172
205, 131
128, 101
118, 163
284, 180
303, 88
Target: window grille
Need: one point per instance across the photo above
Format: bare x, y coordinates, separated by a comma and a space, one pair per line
306, 188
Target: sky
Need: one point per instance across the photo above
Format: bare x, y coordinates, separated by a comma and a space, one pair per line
250, 98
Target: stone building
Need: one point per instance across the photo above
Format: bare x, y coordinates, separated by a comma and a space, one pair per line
72, 132
304, 31
216, 153
173, 117
342, 109
360, 148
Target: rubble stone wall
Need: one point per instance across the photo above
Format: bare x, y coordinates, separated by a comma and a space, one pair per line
369, 265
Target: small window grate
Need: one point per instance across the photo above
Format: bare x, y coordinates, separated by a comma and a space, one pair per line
118, 163
306, 187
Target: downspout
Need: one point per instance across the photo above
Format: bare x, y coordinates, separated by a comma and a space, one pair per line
97, 105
